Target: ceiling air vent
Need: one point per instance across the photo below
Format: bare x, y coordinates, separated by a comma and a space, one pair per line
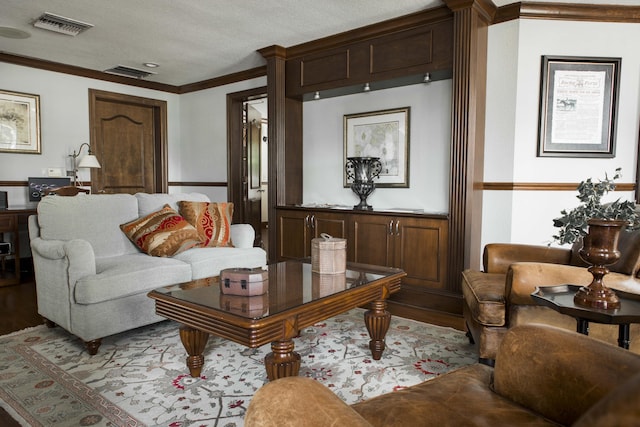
122, 70
60, 24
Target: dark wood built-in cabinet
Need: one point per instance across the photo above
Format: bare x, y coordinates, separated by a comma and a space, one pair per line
416, 243
447, 42
426, 48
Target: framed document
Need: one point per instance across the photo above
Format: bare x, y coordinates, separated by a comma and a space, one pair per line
578, 103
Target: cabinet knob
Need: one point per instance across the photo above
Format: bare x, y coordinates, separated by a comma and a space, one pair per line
397, 227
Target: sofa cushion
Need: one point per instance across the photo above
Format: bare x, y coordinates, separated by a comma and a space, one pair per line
95, 218
148, 203
121, 276
484, 294
212, 220
162, 233
207, 262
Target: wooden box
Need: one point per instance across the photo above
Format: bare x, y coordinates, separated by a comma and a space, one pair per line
328, 255
244, 281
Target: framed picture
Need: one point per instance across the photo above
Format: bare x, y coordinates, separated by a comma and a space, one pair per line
383, 134
578, 104
19, 122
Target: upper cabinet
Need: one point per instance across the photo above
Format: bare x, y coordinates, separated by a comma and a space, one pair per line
425, 48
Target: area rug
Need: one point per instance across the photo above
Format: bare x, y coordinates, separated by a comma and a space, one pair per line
139, 378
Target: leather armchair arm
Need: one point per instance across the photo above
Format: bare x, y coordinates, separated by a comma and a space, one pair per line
558, 373
498, 256
299, 402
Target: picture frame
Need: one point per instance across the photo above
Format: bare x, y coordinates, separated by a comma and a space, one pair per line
19, 123
578, 106
383, 134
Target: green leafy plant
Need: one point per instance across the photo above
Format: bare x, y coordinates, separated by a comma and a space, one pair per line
573, 224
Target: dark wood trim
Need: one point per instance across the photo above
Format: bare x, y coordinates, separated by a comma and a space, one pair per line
224, 80
196, 184
161, 131
84, 72
363, 33
541, 186
568, 12
470, 26
487, 186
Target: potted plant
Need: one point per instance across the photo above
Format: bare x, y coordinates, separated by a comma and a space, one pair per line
574, 223
598, 226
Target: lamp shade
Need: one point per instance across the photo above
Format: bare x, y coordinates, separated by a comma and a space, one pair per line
89, 161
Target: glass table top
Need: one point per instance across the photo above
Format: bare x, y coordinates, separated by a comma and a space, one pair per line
291, 284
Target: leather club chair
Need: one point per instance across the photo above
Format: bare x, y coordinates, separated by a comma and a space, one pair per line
499, 297
543, 376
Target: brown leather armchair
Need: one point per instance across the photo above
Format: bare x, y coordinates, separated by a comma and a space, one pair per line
543, 376
499, 297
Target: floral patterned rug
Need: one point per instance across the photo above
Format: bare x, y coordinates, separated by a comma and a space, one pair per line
139, 378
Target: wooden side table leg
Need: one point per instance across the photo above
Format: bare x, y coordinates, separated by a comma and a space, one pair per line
377, 320
282, 361
194, 341
623, 336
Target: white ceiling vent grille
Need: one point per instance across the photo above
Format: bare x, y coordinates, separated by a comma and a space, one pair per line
122, 70
60, 24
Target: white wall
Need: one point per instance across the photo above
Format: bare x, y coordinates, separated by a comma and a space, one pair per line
64, 121
203, 140
430, 134
513, 85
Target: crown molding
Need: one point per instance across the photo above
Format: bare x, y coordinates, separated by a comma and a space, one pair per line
568, 12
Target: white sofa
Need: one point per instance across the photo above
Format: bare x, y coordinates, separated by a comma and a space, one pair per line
93, 281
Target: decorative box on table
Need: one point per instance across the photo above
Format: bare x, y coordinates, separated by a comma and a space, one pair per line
328, 255
244, 281
327, 284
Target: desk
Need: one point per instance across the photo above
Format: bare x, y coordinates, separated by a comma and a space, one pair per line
11, 221
560, 299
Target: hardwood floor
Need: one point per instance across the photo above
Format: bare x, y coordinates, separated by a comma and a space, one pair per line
19, 311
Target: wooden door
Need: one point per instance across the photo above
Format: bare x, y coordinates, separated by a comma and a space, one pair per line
128, 136
370, 240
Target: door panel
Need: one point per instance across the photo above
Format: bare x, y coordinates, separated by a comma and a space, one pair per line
370, 242
128, 136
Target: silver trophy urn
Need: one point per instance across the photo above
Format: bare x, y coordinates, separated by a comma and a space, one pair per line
362, 170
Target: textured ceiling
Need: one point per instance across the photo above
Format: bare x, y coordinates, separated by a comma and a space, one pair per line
193, 40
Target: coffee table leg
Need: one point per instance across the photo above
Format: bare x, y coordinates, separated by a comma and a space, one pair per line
377, 320
194, 342
282, 361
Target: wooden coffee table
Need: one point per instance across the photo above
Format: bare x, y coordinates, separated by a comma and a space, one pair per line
297, 299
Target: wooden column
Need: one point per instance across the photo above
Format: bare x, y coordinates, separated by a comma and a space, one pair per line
470, 25
285, 141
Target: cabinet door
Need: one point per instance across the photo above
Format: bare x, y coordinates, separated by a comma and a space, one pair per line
420, 249
370, 240
293, 234
333, 224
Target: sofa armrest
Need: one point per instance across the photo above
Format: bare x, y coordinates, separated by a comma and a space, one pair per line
58, 265
242, 235
299, 402
558, 373
498, 256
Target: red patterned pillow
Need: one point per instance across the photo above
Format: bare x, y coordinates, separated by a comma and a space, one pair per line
212, 220
163, 233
